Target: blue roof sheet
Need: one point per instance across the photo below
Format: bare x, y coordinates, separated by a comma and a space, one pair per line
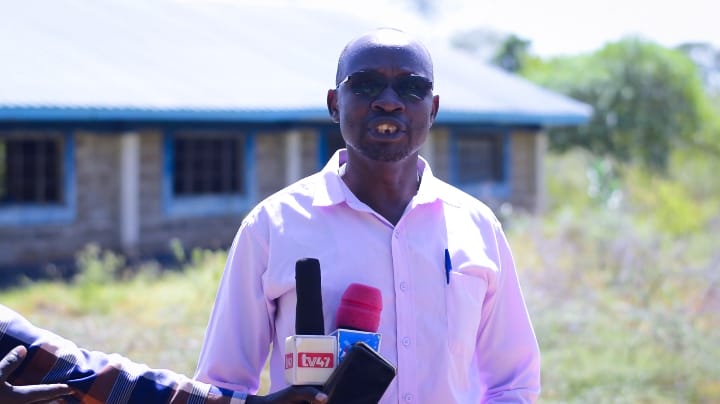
220, 60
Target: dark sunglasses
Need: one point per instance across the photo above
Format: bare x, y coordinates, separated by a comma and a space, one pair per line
371, 84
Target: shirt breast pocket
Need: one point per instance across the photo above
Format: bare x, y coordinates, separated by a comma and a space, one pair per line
464, 302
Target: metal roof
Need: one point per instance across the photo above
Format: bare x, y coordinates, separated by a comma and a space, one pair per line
180, 60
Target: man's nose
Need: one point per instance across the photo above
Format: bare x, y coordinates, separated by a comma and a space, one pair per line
388, 101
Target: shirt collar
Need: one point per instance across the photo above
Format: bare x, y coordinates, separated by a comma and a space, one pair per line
333, 191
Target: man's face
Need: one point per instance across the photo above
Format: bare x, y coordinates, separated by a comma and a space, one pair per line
384, 102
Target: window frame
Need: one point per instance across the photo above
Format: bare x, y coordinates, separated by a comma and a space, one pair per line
63, 212
211, 204
499, 189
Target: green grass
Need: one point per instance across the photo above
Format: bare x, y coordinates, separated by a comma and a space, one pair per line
154, 318
605, 336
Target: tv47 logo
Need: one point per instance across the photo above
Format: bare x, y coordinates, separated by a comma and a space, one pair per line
315, 360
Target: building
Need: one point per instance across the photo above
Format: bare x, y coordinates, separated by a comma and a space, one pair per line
129, 122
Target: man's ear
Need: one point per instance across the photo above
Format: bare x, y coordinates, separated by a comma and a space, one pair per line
435, 108
332, 105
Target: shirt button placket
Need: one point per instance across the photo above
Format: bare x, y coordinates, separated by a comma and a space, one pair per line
405, 330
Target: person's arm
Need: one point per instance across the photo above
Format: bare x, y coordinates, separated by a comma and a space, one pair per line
231, 356
10, 394
507, 351
98, 377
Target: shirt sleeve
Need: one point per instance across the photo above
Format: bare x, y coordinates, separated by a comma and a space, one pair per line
507, 351
97, 377
239, 333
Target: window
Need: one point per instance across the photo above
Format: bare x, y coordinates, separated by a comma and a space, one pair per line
479, 158
210, 164
208, 172
31, 170
333, 141
37, 177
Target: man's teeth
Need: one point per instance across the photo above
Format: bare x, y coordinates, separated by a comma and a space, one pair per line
387, 129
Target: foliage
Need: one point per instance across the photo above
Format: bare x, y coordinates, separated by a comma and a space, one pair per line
625, 297
507, 51
512, 53
98, 267
152, 316
673, 208
482, 43
621, 309
707, 58
647, 99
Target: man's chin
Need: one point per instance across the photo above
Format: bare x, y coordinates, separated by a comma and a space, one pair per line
385, 154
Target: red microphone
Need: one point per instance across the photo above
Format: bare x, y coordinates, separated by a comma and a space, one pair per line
358, 318
360, 308
362, 375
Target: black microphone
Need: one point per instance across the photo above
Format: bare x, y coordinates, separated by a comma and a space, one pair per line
310, 356
308, 287
361, 378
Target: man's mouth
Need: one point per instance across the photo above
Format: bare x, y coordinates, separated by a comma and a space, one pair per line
386, 128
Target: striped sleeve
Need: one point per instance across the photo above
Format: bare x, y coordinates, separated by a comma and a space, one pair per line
97, 377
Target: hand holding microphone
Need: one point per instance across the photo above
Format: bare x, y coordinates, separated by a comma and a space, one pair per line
290, 395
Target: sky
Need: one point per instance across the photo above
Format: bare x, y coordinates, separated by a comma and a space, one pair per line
555, 27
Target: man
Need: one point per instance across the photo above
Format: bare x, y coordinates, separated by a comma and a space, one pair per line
34, 358
454, 320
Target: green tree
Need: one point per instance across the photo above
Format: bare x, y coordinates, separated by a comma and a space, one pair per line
507, 51
480, 42
707, 59
647, 99
512, 53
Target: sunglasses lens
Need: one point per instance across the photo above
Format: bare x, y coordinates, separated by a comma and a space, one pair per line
415, 87
371, 84
367, 84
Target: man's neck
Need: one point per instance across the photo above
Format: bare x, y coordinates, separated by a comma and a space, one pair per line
385, 187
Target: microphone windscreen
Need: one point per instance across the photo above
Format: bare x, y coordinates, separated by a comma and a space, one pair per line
308, 310
360, 308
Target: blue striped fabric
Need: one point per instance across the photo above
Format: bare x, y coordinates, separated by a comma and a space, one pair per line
97, 377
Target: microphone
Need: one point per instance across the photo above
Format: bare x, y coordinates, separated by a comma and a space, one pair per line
362, 375
358, 318
310, 355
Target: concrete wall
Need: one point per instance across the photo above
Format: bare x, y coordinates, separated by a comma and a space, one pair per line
526, 181
96, 162
438, 152
157, 228
528, 149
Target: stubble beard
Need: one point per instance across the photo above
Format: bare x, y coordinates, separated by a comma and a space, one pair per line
382, 153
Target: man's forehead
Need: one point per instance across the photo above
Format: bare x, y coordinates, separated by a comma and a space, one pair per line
385, 48
386, 37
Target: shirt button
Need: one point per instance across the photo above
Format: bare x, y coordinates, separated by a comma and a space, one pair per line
408, 397
397, 234
403, 286
406, 341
